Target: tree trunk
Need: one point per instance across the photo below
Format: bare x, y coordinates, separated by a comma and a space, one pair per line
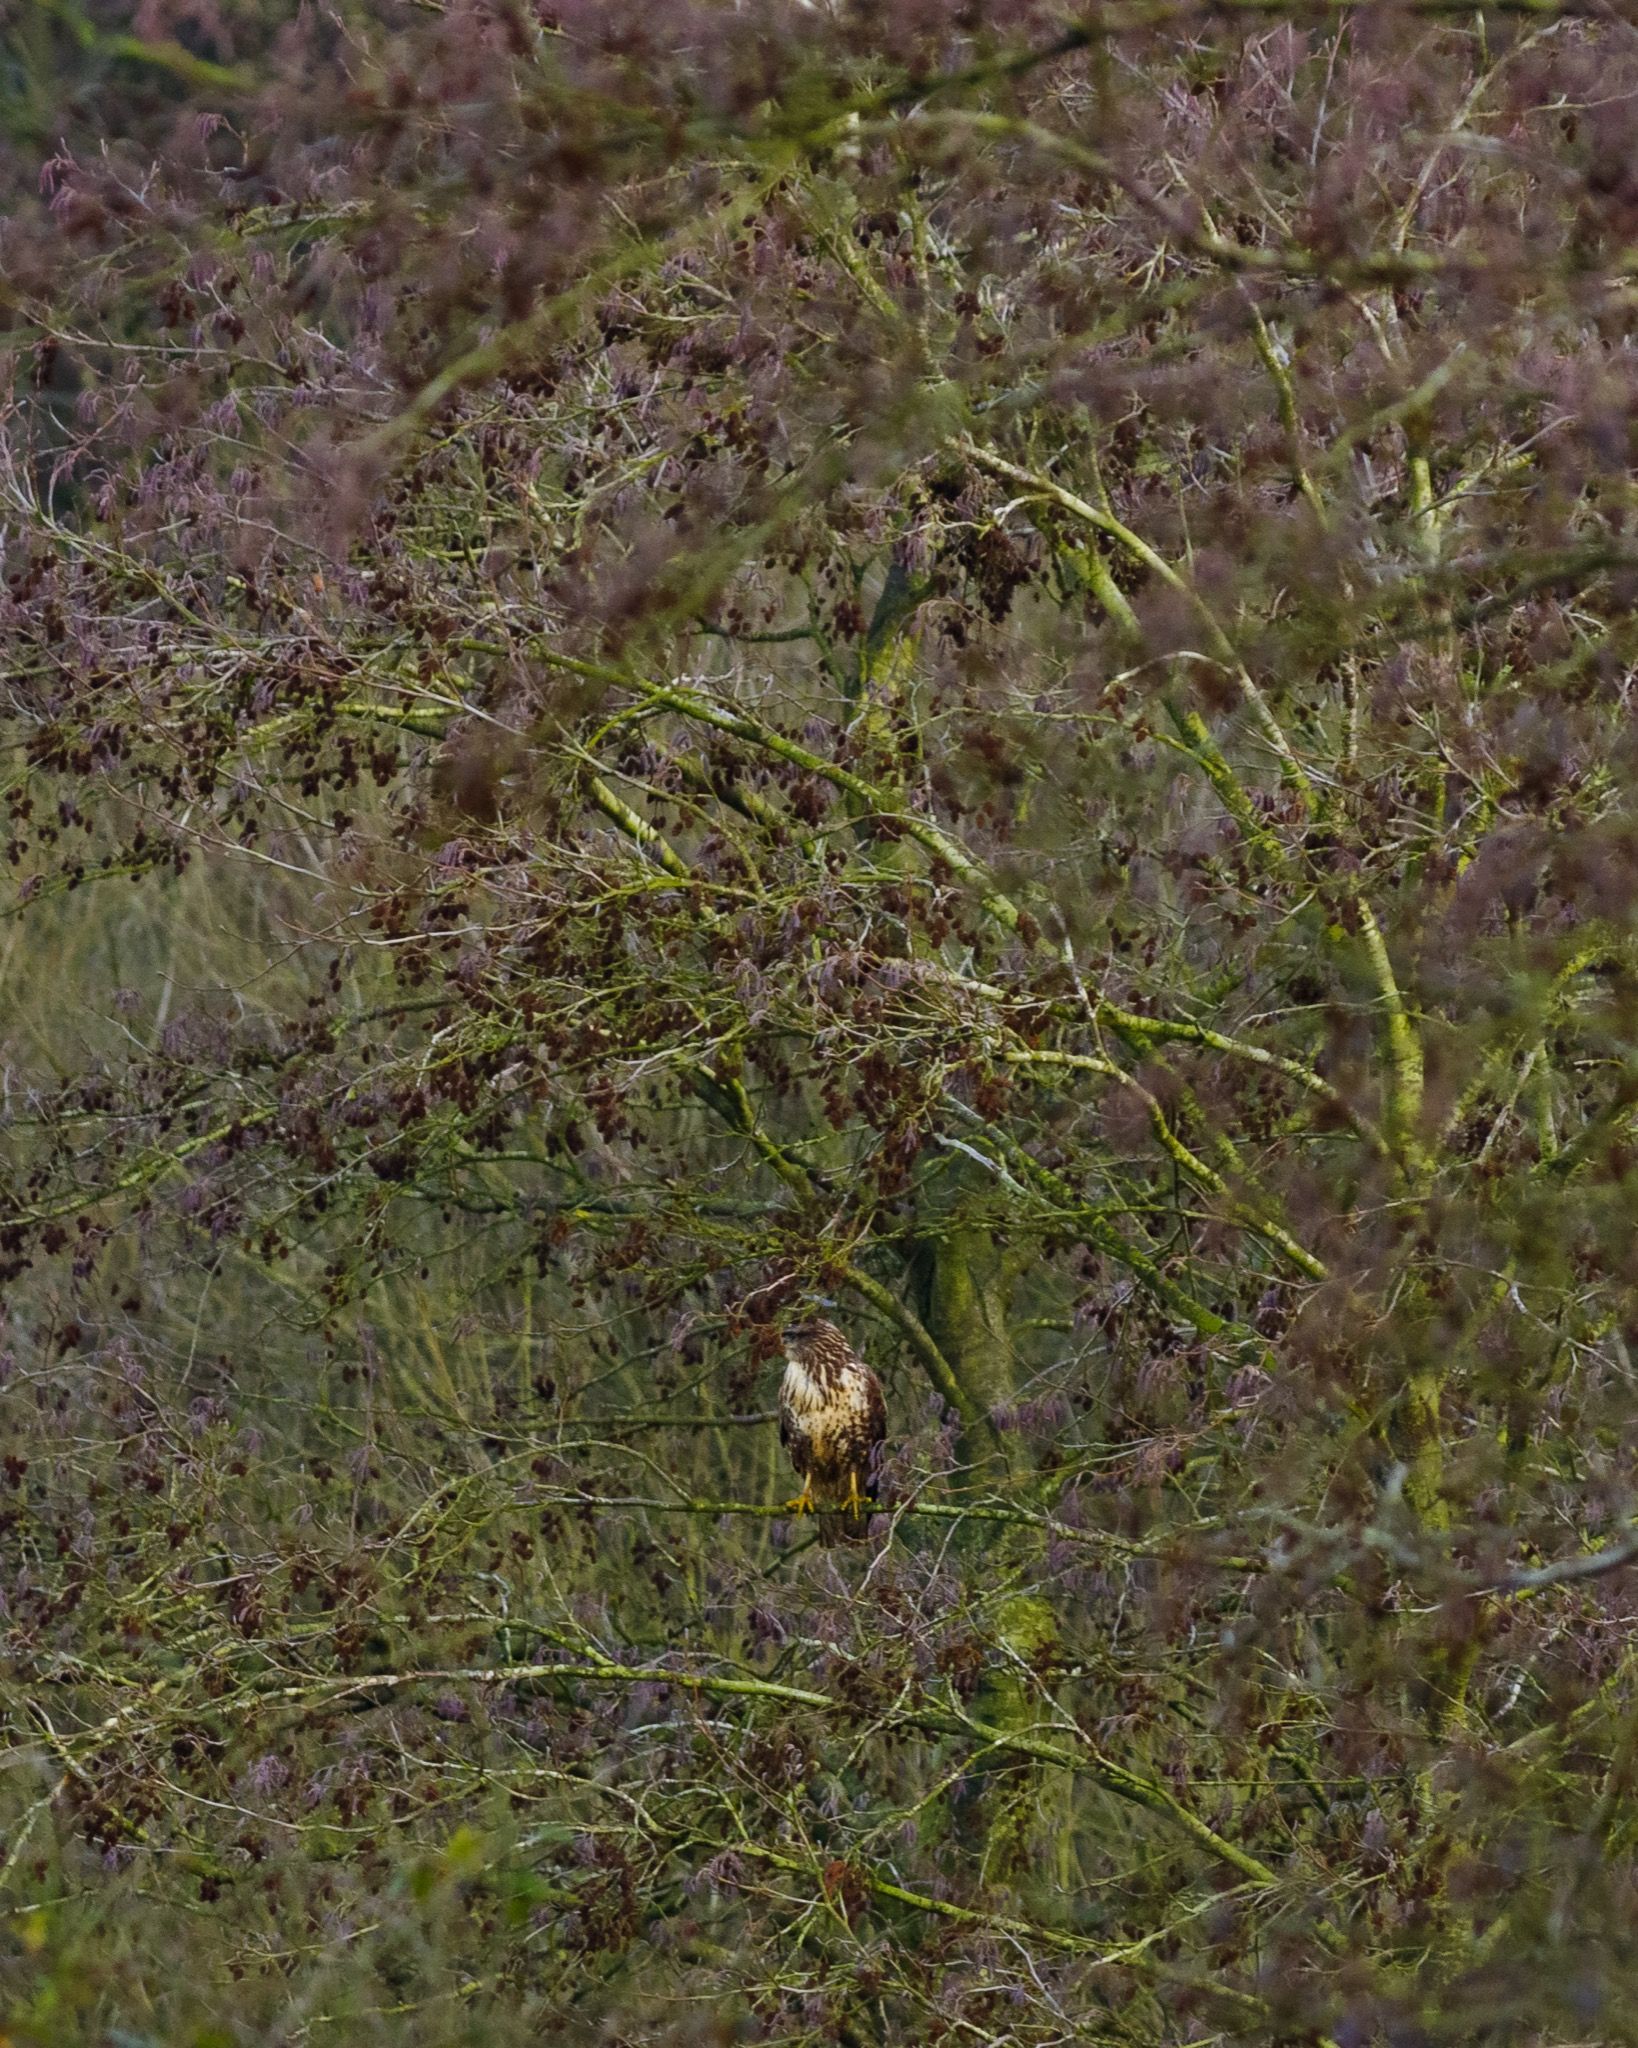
962, 1280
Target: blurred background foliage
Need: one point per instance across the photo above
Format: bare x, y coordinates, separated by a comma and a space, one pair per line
971, 661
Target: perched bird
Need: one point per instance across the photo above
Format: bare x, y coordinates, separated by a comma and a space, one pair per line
832, 1419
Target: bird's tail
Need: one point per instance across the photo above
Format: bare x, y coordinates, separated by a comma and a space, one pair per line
846, 1521
843, 1525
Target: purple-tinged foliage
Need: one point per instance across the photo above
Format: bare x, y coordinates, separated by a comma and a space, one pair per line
663, 661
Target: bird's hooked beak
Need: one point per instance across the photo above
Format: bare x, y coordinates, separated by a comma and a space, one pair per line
803, 1328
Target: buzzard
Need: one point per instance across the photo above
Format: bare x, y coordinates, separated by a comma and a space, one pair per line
832, 1419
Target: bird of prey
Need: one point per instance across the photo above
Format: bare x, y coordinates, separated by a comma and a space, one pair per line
832, 1420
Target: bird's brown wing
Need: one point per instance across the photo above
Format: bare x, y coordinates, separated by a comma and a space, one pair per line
875, 1416
866, 1430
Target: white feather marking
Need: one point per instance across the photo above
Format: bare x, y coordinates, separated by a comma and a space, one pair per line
820, 1413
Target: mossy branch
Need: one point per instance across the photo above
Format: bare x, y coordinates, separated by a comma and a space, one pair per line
1084, 1758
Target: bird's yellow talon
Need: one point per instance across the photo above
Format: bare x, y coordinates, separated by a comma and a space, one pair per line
803, 1503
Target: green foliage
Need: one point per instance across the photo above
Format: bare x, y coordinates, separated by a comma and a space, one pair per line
661, 663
